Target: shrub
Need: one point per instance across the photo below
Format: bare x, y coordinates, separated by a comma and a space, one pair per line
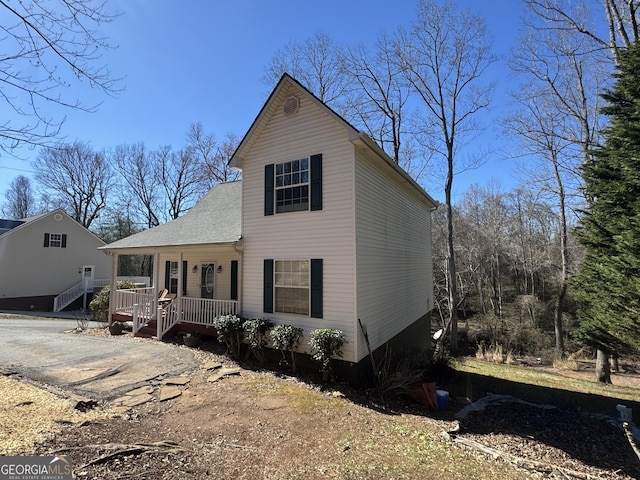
286, 339
229, 329
256, 331
99, 305
326, 343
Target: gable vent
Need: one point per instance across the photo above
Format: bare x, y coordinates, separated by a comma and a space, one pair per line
291, 106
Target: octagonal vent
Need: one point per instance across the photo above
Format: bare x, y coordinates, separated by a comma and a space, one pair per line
291, 106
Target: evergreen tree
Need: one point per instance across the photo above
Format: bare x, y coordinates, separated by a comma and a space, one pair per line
608, 284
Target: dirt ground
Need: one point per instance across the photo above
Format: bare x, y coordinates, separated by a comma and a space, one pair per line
265, 424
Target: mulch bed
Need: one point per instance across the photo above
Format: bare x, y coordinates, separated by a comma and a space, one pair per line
552, 440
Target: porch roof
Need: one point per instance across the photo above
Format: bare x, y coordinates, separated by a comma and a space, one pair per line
216, 218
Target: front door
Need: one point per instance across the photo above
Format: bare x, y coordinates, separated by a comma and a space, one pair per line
206, 280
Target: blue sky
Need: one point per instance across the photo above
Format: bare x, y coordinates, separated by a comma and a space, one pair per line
203, 60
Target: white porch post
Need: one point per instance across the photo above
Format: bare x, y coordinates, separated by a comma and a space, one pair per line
112, 291
180, 283
156, 274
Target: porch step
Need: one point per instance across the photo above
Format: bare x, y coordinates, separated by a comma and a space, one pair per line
149, 330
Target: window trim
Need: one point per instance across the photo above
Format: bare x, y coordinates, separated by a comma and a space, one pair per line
316, 274
60, 241
313, 185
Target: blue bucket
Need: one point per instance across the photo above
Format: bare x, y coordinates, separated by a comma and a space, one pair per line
443, 399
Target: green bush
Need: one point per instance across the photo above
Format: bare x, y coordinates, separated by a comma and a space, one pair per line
286, 339
99, 305
229, 329
256, 331
325, 344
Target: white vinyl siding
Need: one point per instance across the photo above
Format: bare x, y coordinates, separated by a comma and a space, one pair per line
36, 271
219, 255
394, 272
327, 234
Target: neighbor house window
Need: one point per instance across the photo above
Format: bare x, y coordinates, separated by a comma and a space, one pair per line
293, 286
293, 186
55, 240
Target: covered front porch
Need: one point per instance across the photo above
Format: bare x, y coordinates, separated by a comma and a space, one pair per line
190, 287
196, 258
156, 317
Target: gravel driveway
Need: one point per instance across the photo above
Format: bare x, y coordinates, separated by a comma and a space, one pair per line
101, 368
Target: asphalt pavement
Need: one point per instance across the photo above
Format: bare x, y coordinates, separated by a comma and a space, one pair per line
96, 367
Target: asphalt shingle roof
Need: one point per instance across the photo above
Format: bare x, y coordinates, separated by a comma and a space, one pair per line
216, 218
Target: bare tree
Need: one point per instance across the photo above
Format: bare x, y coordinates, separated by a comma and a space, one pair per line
316, 63
539, 123
379, 94
139, 191
576, 57
21, 202
212, 157
48, 49
77, 177
444, 57
621, 17
179, 177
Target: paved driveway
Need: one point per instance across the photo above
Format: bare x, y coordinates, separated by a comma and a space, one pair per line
101, 368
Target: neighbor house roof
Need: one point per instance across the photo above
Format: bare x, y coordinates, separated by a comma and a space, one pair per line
216, 218
6, 225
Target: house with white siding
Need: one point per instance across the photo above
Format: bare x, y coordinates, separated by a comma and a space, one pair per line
331, 231
48, 262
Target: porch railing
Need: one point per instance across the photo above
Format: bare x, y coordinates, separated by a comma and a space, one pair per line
142, 305
70, 295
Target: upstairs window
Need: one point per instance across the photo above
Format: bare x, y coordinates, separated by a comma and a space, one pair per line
55, 240
292, 186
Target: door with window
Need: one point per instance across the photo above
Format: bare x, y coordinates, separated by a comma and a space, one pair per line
87, 276
207, 280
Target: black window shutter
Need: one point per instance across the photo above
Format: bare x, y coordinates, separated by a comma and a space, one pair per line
234, 279
267, 300
269, 189
316, 182
64, 240
184, 277
167, 275
46, 240
316, 287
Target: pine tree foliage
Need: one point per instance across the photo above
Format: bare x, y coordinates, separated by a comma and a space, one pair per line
608, 284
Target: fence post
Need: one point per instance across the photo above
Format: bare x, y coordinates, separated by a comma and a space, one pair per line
136, 312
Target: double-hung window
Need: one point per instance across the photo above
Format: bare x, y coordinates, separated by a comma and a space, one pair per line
55, 240
292, 186
293, 286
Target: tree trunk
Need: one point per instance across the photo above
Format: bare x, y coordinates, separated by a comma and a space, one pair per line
453, 286
603, 371
564, 258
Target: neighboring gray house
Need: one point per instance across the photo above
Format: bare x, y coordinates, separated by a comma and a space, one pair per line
45, 256
323, 230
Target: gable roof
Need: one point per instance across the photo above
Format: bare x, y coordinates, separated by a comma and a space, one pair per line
356, 136
216, 218
58, 214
